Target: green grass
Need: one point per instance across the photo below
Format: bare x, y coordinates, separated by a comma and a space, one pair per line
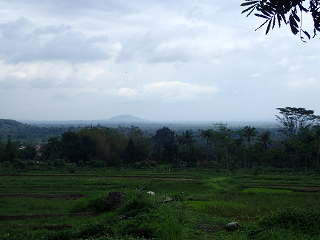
206, 202
13, 206
265, 190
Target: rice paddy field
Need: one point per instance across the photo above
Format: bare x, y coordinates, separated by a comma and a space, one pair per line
186, 205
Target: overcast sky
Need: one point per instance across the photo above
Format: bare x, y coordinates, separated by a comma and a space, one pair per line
153, 59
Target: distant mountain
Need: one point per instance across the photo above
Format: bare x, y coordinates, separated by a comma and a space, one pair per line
126, 118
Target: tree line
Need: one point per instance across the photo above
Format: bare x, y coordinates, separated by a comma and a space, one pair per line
30, 135
218, 148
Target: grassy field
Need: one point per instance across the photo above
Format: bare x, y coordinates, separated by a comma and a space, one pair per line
202, 203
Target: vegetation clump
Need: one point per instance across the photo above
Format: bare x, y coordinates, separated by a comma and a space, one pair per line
113, 200
294, 221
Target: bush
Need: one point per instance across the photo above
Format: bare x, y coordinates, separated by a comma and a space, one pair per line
59, 163
7, 164
303, 222
113, 200
89, 204
137, 202
99, 203
140, 226
306, 220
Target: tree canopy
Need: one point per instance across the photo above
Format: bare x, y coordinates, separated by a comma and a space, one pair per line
293, 120
287, 12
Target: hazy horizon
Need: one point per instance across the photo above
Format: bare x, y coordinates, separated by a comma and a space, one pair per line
148, 120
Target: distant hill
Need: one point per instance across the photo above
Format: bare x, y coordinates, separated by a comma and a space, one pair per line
126, 118
27, 134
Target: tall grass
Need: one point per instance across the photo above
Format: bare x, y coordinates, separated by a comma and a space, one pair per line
171, 229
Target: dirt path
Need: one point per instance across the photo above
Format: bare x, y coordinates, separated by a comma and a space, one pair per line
297, 188
4, 217
41, 195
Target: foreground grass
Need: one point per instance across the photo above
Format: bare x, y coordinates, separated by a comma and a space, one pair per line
204, 204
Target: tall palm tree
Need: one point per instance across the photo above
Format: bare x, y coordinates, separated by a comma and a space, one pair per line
188, 138
249, 133
265, 139
180, 140
207, 134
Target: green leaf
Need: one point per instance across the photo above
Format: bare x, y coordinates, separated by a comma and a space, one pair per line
274, 22
293, 25
296, 17
268, 27
307, 34
248, 3
262, 24
260, 15
247, 9
279, 20
266, 13
250, 12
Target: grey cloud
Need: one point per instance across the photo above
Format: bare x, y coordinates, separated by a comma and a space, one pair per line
73, 47
101, 38
71, 8
144, 46
70, 46
52, 29
62, 97
12, 30
11, 82
195, 13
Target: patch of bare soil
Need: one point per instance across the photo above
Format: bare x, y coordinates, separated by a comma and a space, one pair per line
113, 176
201, 170
4, 217
296, 188
49, 227
41, 195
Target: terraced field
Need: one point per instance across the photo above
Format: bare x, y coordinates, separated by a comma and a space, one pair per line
44, 206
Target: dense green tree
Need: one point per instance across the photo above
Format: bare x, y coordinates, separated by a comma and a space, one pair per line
141, 143
27, 153
164, 143
1, 149
51, 150
188, 138
130, 153
59, 163
285, 11
316, 143
180, 140
222, 139
75, 147
9, 152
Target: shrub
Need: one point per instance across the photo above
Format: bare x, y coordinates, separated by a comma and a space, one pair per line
302, 222
113, 200
99, 203
140, 226
59, 163
138, 214
137, 202
306, 220
89, 204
